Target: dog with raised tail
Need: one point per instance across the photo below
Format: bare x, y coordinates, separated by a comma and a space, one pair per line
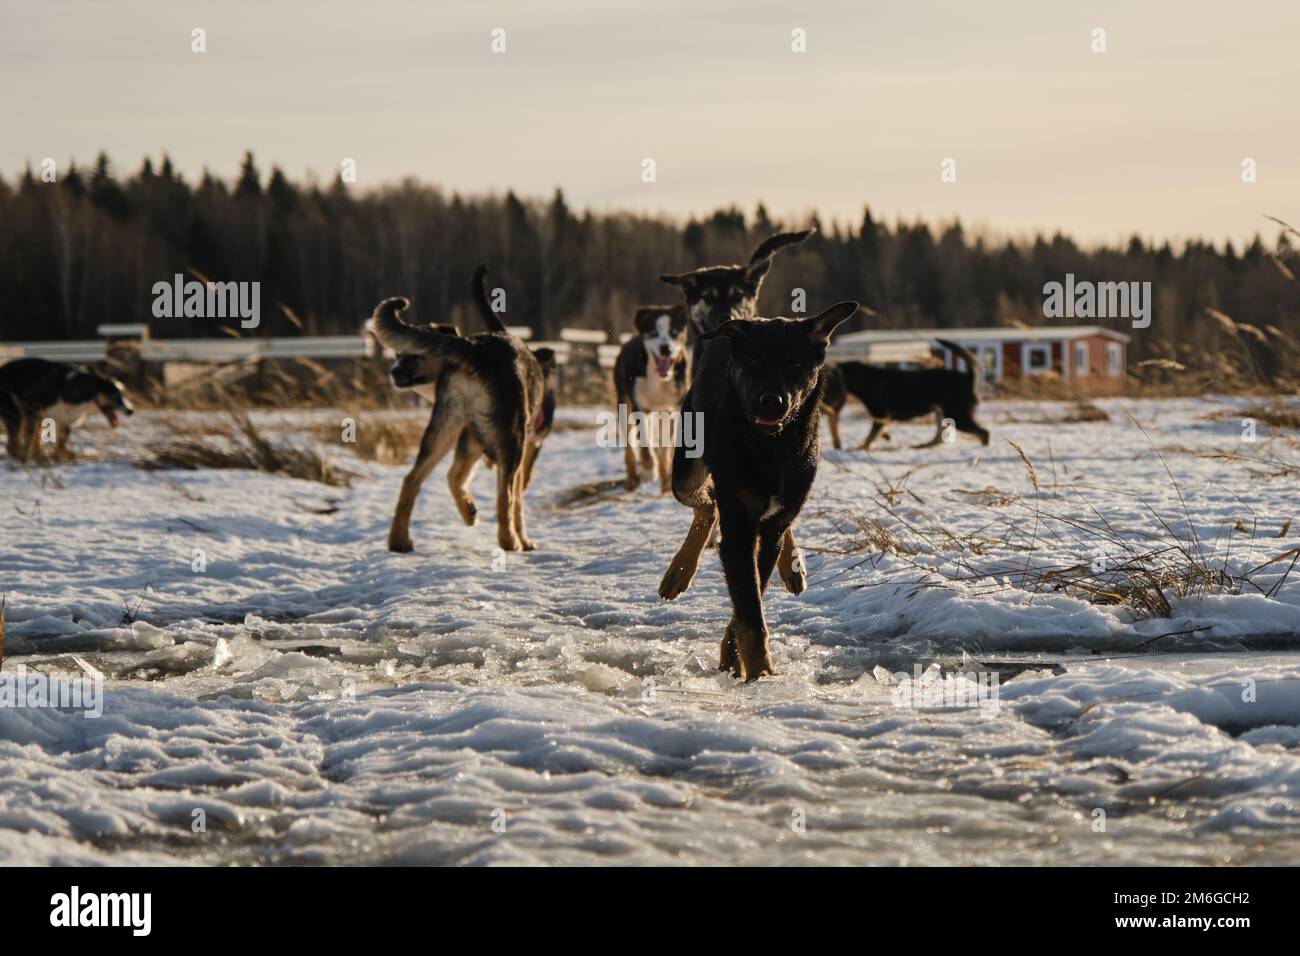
650, 377
900, 394
759, 389
488, 393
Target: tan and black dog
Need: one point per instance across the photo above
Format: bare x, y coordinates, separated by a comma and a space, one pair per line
759, 389
650, 378
488, 394
717, 294
34, 391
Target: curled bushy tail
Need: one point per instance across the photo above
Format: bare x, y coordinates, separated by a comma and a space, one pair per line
972, 363
490, 318
778, 241
403, 338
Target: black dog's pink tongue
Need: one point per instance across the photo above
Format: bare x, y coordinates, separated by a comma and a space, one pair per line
663, 366
112, 417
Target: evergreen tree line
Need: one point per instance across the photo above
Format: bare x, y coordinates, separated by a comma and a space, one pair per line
87, 249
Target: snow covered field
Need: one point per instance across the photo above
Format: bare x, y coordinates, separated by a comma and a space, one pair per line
321, 700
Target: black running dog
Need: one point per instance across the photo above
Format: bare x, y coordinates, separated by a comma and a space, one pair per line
718, 294
897, 394
488, 393
36, 395
650, 376
759, 391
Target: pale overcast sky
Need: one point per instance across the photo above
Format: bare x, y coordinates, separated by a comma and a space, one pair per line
1147, 137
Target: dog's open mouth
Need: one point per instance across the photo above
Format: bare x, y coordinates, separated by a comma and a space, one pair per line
111, 415
664, 366
769, 426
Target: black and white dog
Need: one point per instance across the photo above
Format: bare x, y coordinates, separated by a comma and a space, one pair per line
650, 377
35, 393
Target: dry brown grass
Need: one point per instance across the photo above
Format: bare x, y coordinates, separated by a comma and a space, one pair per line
589, 493
273, 383
1144, 571
1079, 411
862, 532
241, 445
388, 441
1278, 414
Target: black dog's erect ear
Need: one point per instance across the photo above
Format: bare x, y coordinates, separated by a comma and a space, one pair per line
754, 273
731, 329
645, 318
683, 279
546, 358
821, 326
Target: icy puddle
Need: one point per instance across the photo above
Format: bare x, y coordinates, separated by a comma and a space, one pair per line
310, 698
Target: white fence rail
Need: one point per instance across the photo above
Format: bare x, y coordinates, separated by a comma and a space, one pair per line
879, 353
354, 347
195, 350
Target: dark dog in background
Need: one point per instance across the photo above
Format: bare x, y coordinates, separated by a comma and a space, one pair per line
650, 377
717, 294
488, 401
34, 391
896, 394
759, 389
834, 396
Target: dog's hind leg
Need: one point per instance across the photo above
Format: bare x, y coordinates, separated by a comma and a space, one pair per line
509, 476
971, 427
664, 445
517, 514
633, 479
682, 568
877, 427
789, 564
648, 447
665, 469
14, 429
61, 450
530, 458
833, 420
437, 441
29, 438
469, 452
938, 430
